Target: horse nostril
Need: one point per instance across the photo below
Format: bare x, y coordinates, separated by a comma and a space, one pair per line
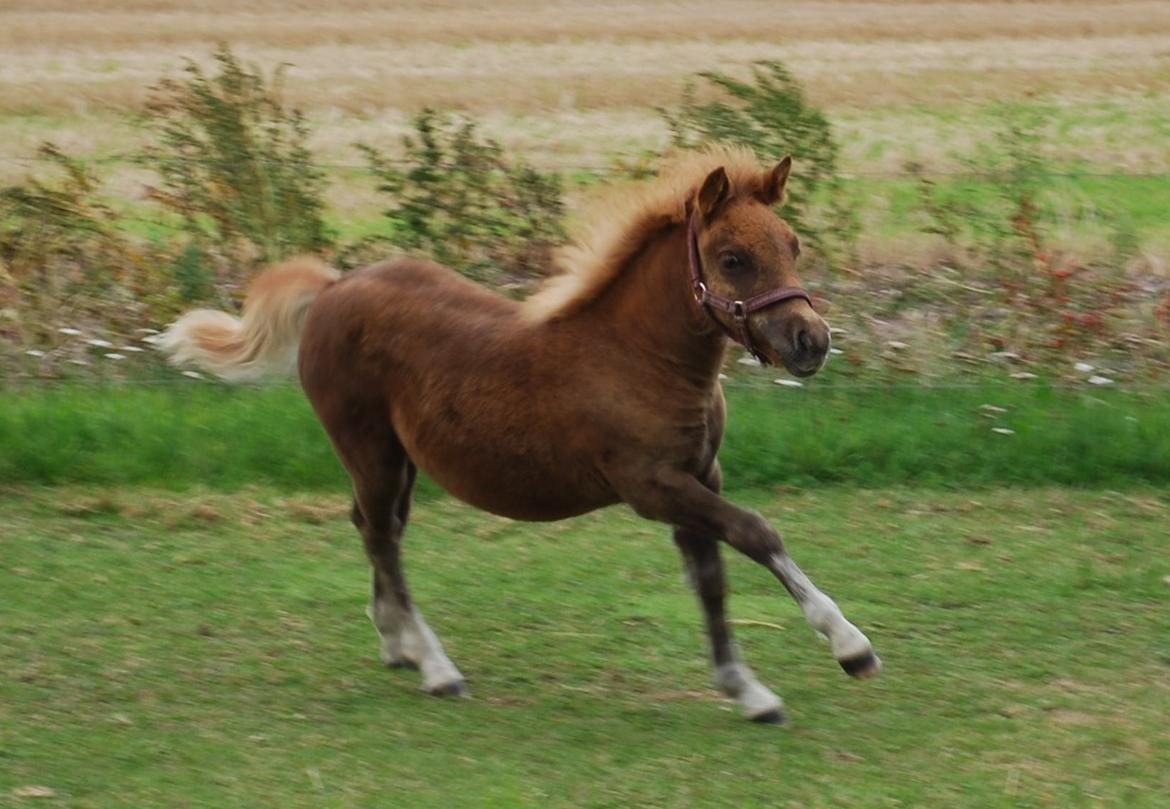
804, 341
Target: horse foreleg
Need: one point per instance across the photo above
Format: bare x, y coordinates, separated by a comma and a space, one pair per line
682, 500
704, 566
732, 676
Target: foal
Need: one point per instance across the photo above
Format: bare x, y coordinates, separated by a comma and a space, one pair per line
601, 388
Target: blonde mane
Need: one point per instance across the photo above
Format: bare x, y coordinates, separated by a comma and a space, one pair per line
618, 223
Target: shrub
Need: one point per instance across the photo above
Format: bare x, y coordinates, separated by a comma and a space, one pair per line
999, 223
456, 197
771, 116
234, 165
67, 265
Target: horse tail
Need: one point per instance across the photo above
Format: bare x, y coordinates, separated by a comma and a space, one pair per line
264, 339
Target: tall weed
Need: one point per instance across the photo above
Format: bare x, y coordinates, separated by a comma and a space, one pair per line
234, 165
456, 197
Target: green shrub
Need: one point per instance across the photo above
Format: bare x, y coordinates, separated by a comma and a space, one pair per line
457, 198
771, 116
234, 165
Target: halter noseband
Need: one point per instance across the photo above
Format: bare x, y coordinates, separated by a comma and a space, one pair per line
739, 310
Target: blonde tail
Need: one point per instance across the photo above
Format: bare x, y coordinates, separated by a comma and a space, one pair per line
264, 339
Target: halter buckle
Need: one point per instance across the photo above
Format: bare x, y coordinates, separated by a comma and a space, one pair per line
700, 290
738, 311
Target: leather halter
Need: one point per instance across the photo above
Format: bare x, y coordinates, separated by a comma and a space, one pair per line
739, 310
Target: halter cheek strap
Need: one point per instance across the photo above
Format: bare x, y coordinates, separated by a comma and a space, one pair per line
738, 309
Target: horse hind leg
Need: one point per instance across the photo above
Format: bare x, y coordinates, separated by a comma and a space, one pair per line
380, 512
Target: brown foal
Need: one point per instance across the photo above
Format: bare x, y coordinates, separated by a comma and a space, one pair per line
601, 388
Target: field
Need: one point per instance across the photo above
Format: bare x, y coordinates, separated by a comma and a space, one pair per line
573, 87
211, 650
181, 592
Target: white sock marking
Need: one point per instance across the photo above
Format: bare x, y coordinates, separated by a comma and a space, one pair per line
738, 682
822, 614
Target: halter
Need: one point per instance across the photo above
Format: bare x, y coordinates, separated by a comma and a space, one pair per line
739, 310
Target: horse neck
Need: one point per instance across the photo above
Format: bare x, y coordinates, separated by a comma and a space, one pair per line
650, 309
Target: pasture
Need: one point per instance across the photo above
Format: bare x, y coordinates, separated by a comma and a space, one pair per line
209, 649
181, 592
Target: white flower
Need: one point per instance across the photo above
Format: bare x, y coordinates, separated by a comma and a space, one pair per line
193, 374
146, 331
990, 408
132, 349
1023, 375
1100, 380
1083, 367
755, 363
897, 345
114, 356
788, 383
1003, 431
70, 332
836, 351
79, 362
99, 343
32, 352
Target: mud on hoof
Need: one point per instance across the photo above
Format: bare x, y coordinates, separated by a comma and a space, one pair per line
863, 666
456, 688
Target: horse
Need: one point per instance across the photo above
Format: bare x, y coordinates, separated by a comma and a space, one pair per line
600, 388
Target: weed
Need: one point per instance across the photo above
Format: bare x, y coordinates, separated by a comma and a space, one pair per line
771, 115
456, 197
234, 165
68, 264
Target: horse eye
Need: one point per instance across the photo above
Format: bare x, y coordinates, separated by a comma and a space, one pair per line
730, 261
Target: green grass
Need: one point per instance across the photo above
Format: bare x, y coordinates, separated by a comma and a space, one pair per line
185, 434
210, 650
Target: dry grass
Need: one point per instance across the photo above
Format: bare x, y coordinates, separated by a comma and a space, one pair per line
522, 55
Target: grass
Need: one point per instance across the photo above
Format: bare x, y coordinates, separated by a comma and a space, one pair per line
209, 650
525, 55
190, 434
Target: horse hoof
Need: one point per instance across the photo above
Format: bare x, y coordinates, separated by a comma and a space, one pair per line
458, 688
772, 717
863, 667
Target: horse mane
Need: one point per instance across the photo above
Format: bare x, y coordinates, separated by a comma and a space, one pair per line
617, 223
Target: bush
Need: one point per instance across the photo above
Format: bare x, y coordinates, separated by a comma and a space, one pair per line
999, 225
771, 116
64, 263
458, 199
234, 165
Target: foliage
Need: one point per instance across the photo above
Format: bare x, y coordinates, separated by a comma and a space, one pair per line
189, 433
771, 115
456, 197
1048, 300
234, 165
67, 263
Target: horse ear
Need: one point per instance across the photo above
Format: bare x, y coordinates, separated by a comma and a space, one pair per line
774, 183
713, 193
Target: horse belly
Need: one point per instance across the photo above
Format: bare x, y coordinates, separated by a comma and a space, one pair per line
512, 484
